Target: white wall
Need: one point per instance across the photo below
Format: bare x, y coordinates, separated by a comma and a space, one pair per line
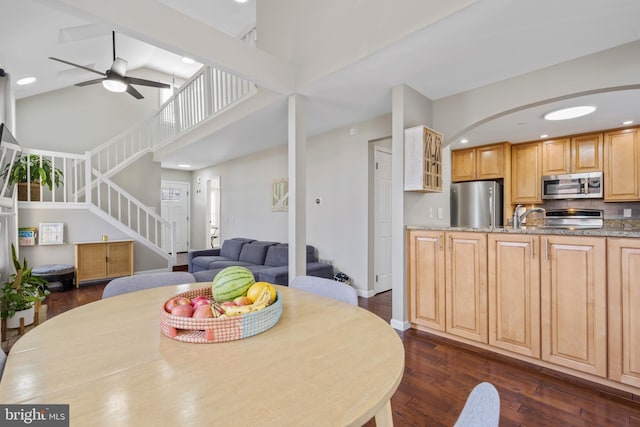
77, 119
79, 225
337, 171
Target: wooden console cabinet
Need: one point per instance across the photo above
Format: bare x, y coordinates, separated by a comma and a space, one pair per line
103, 260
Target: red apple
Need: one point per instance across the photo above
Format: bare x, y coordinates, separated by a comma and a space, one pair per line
198, 298
182, 310
242, 300
200, 302
176, 301
203, 312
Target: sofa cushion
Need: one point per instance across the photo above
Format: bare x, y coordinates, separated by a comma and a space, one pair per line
278, 255
280, 275
224, 264
253, 253
202, 262
231, 249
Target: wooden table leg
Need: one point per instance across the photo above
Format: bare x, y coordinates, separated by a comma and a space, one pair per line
4, 330
384, 417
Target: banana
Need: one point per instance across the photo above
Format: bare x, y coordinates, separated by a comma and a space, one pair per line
261, 302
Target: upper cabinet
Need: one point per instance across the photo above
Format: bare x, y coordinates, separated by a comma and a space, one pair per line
572, 155
526, 172
422, 159
587, 153
556, 156
486, 162
621, 163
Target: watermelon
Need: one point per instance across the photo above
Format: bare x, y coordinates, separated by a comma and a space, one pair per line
231, 282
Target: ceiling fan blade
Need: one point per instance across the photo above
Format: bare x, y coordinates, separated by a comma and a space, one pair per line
119, 67
77, 65
90, 82
133, 92
143, 82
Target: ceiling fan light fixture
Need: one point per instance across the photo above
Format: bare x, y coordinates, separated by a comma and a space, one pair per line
114, 85
570, 113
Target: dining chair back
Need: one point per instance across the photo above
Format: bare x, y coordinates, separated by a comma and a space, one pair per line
327, 287
482, 408
138, 282
3, 360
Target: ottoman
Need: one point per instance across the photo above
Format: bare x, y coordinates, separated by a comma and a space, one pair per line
59, 276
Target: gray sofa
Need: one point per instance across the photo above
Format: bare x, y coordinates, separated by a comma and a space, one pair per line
268, 261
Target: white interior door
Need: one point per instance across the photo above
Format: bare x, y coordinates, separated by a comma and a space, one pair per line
175, 208
213, 212
382, 219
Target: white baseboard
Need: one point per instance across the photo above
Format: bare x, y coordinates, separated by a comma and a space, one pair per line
399, 325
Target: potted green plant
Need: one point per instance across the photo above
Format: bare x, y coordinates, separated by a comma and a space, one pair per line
40, 171
21, 293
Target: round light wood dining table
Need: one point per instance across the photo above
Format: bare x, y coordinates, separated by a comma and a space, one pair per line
325, 363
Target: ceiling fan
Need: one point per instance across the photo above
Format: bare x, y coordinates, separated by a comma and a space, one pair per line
114, 79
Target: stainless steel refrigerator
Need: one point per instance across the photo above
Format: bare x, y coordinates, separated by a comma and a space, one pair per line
476, 204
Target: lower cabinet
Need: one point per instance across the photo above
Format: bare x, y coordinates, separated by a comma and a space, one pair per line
573, 302
514, 293
466, 285
103, 260
624, 310
425, 277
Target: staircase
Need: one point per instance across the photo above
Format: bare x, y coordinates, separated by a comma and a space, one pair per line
87, 177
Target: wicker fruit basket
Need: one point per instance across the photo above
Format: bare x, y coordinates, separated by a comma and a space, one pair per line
187, 329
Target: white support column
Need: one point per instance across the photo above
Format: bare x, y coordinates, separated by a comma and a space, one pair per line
297, 186
399, 313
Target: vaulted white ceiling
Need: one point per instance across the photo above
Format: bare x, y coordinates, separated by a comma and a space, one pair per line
486, 42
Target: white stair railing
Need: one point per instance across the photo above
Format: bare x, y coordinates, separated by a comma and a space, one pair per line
132, 213
200, 98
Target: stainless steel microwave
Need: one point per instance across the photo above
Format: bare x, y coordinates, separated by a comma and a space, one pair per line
573, 186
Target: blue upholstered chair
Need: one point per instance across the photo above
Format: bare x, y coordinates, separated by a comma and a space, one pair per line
327, 287
123, 285
482, 408
3, 360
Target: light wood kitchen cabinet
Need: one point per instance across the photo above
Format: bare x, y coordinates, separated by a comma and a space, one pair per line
573, 302
621, 164
466, 285
572, 155
422, 159
486, 162
514, 292
587, 153
103, 260
526, 172
624, 310
425, 276
556, 156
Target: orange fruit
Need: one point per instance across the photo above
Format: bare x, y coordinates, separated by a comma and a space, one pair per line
256, 289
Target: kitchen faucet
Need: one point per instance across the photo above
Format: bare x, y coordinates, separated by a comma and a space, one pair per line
517, 219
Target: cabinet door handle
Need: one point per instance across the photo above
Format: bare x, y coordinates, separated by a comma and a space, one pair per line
546, 248
533, 251
439, 242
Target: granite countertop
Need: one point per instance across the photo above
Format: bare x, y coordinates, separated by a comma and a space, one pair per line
633, 232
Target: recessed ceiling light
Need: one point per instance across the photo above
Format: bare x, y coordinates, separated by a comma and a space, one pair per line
26, 81
241, 1
544, 135
187, 60
627, 122
464, 141
184, 165
570, 113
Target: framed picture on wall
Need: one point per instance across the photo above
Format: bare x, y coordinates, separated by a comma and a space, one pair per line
280, 195
51, 233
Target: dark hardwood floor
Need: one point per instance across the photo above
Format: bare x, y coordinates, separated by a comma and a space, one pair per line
439, 376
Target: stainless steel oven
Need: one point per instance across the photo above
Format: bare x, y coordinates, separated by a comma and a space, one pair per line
573, 186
